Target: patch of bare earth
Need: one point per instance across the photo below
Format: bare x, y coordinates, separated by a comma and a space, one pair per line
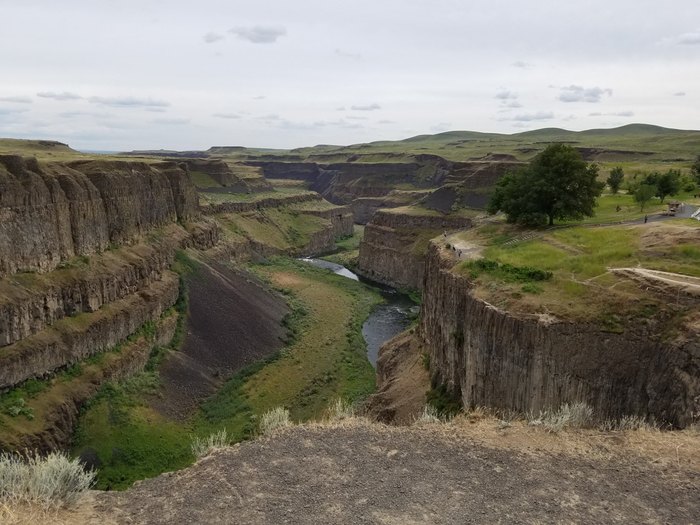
468, 471
233, 322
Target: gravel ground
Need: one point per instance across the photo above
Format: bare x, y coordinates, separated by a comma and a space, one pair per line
362, 473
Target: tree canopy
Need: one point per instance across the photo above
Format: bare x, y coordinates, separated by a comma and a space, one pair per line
695, 169
558, 184
615, 179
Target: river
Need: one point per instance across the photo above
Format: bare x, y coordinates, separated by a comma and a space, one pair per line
387, 320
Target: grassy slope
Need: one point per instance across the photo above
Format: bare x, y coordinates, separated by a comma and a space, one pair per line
581, 287
318, 366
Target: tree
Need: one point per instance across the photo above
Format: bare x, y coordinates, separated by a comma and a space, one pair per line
615, 179
557, 184
695, 169
644, 193
668, 184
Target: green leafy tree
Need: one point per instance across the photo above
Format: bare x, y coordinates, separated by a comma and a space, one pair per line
643, 194
615, 179
557, 184
695, 169
668, 184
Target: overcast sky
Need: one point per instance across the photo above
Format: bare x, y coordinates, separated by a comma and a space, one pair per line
137, 74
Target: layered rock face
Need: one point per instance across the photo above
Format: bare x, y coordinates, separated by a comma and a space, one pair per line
85, 255
220, 172
102, 236
394, 247
341, 183
493, 358
51, 213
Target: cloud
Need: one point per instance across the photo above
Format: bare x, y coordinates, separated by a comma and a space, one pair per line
272, 117
386, 122
509, 100
581, 94
226, 115
16, 100
506, 95
521, 64
689, 39
441, 126
259, 34
347, 54
129, 102
356, 117
171, 121
367, 107
212, 37
260, 97
65, 95
12, 111
679, 94
74, 114
612, 114
530, 117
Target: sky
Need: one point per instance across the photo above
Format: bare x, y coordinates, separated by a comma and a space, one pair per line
148, 74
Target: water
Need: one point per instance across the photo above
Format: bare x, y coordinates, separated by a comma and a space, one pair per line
387, 320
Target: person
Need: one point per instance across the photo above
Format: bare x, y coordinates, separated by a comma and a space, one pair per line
646, 218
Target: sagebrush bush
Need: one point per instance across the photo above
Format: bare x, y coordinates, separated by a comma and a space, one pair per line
575, 415
340, 409
430, 414
274, 419
204, 446
50, 481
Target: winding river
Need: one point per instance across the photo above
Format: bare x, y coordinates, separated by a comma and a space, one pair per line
387, 320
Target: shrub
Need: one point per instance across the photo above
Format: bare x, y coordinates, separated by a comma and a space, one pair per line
204, 446
52, 481
576, 415
274, 419
429, 415
340, 409
508, 272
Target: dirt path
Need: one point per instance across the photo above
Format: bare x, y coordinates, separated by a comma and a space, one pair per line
667, 281
378, 474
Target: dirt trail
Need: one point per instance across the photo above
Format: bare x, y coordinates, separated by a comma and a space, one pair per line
369, 473
667, 281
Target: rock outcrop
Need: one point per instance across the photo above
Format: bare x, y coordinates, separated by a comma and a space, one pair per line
395, 244
490, 357
53, 212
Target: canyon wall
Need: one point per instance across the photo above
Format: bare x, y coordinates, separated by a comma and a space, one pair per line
53, 212
395, 245
493, 358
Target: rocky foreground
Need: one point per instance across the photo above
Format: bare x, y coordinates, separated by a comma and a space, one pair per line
474, 470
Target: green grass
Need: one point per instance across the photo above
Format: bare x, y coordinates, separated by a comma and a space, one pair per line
202, 180
325, 358
578, 258
348, 248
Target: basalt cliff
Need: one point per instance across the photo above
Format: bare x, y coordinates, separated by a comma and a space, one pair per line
486, 356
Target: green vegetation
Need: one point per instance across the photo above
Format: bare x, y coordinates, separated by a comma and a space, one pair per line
506, 271
557, 184
202, 180
325, 359
566, 271
617, 175
643, 194
348, 248
447, 404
